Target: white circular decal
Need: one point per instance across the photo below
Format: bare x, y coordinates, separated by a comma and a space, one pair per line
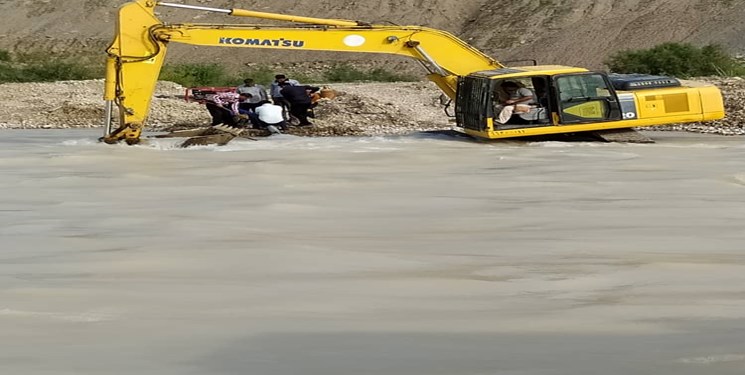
354, 40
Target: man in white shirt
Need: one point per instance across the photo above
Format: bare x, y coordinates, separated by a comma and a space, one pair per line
270, 116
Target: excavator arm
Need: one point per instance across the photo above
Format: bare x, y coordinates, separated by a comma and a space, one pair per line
136, 55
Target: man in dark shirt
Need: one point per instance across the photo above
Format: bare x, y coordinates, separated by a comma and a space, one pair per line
300, 101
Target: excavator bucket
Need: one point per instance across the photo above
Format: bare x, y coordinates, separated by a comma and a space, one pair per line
187, 133
206, 140
215, 135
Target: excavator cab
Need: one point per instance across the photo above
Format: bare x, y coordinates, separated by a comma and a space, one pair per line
561, 99
570, 100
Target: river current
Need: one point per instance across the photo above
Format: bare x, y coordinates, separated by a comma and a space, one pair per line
419, 255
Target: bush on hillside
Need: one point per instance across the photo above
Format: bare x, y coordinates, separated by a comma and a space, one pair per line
43, 69
348, 73
677, 59
4, 55
190, 75
38, 66
56, 70
262, 75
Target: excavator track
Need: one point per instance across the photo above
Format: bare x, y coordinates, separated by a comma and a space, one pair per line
622, 136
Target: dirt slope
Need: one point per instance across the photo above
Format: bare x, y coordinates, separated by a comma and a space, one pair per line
585, 32
576, 32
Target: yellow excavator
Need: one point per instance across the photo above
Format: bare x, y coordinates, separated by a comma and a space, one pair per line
563, 99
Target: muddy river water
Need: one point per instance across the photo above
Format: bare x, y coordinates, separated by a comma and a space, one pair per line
416, 255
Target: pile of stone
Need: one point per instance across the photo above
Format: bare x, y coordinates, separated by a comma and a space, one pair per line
382, 109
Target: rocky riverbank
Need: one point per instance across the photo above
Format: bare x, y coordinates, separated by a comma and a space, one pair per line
359, 109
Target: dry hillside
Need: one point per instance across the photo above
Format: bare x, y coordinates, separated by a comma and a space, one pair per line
576, 32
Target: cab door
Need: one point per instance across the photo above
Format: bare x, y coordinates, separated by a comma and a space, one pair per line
473, 103
586, 98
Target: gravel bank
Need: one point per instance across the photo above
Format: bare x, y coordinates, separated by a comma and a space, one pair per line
359, 109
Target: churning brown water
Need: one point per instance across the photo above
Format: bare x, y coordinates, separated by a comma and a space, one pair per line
406, 255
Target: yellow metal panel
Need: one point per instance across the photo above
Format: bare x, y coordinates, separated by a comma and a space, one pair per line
676, 103
532, 131
712, 105
589, 110
668, 102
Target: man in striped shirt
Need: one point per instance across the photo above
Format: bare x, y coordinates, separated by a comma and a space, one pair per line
223, 106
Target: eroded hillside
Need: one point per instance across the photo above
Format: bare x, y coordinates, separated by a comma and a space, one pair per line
575, 32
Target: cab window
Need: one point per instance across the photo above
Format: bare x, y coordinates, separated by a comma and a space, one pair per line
586, 98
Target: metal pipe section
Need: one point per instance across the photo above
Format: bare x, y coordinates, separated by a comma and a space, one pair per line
289, 18
108, 107
438, 69
425, 66
194, 7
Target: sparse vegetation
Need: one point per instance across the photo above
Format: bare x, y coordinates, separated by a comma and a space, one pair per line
43, 67
197, 75
348, 73
677, 59
40, 66
216, 75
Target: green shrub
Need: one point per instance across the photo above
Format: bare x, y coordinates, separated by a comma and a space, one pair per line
5, 55
55, 70
8, 73
38, 66
262, 75
348, 73
189, 75
344, 73
44, 69
677, 59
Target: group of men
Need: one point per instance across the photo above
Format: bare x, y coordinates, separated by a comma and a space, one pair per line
250, 101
